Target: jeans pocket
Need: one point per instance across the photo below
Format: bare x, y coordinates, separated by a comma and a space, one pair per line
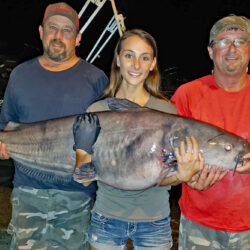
161, 223
98, 222
99, 218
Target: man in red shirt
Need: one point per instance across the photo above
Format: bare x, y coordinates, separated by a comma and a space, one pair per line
219, 216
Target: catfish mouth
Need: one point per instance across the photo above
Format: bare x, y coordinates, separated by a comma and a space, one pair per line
239, 159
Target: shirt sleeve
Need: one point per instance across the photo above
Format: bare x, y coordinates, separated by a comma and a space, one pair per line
100, 85
180, 100
8, 112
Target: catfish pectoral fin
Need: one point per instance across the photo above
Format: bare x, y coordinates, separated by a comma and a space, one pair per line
121, 104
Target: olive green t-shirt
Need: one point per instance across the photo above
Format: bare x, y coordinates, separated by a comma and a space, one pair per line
150, 204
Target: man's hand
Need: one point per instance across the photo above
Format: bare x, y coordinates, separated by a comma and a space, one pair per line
3, 154
86, 129
207, 178
245, 169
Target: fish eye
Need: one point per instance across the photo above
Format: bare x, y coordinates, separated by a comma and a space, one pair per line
228, 147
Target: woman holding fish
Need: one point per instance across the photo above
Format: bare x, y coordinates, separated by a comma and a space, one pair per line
141, 215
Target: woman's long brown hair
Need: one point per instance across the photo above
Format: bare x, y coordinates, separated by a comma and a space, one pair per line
152, 82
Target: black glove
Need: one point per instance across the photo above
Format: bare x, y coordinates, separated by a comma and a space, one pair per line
86, 129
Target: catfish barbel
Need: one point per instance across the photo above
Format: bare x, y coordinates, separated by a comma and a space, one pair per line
134, 148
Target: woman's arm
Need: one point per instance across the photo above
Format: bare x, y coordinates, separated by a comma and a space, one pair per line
189, 161
86, 129
82, 159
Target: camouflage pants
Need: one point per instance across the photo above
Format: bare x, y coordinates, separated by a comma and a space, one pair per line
193, 236
49, 219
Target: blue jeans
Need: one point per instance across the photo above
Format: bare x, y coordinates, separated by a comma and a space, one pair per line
111, 234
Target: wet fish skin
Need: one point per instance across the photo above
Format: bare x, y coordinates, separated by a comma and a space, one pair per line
132, 152
45, 145
135, 147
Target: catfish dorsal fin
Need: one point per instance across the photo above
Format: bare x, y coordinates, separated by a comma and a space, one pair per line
121, 104
11, 126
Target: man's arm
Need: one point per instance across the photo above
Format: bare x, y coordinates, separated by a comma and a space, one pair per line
207, 177
3, 153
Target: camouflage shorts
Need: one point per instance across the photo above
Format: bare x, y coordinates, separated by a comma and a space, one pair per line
193, 236
49, 219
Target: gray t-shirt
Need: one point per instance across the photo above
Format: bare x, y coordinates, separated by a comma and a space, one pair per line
150, 204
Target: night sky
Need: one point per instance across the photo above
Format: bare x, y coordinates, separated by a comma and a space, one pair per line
181, 29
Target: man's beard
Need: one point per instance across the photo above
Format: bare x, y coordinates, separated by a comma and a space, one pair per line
54, 54
232, 68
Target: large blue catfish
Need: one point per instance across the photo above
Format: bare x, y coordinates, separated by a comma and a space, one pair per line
133, 151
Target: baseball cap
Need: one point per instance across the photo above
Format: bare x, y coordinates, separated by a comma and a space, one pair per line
62, 9
230, 22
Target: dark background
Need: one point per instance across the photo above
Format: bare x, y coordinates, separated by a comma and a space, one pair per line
180, 27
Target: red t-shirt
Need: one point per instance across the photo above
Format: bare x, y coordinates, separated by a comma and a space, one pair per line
226, 205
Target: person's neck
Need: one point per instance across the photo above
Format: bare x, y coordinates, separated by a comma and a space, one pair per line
139, 96
231, 83
51, 65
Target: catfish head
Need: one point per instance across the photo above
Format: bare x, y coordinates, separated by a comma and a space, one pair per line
217, 146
